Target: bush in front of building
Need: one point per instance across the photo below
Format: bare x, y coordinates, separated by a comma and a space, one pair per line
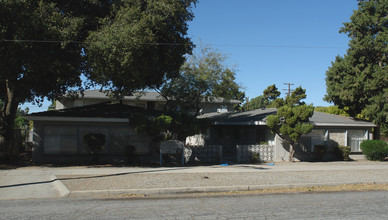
319, 152
255, 158
374, 149
343, 152
95, 143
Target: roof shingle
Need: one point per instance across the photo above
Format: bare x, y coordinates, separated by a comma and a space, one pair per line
255, 117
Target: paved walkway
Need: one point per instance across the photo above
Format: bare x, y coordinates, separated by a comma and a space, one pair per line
46, 182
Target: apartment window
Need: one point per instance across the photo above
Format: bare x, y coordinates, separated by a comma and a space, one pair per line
315, 137
355, 138
84, 149
122, 138
60, 140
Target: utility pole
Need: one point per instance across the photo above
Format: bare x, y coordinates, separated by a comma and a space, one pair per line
289, 90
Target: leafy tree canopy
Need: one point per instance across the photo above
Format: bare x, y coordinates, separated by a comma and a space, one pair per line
52, 106
228, 88
139, 44
331, 110
257, 103
173, 126
21, 121
358, 81
269, 99
202, 78
271, 92
292, 119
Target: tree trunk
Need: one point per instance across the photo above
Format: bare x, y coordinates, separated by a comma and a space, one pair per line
8, 115
292, 151
291, 148
197, 105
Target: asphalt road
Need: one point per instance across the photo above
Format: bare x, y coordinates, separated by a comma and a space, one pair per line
342, 205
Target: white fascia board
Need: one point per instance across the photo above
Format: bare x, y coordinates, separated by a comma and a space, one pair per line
370, 125
315, 124
77, 119
240, 123
125, 99
221, 102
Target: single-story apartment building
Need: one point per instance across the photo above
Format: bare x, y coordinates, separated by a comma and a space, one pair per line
248, 131
58, 136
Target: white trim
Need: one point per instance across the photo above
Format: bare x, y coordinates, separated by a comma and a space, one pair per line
143, 98
240, 123
326, 138
76, 119
346, 137
369, 125
260, 123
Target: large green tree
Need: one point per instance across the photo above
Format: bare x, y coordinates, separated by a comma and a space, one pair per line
271, 92
204, 77
292, 119
256, 103
38, 58
358, 81
270, 98
139, 45
125, 45
175, 125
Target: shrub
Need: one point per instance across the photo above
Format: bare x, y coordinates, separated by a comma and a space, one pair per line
255, 158
95, 143
319, 152
374, 149
343, 152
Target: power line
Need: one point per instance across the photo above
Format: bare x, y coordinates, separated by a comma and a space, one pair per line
84, 42
275, 46
40, 41
182, 44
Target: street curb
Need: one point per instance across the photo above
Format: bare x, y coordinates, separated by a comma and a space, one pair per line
211, 189
60, 187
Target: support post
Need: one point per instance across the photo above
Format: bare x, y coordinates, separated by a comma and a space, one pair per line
161, 158
183, 155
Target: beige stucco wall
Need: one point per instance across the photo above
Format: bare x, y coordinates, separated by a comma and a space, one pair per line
280, 152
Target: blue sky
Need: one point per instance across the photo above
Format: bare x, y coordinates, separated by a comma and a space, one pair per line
273, 41
276, 42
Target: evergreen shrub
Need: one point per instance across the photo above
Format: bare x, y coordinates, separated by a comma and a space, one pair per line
374, 149
343, 152
95, 143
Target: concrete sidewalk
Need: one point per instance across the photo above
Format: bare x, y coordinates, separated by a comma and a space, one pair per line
46, 182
